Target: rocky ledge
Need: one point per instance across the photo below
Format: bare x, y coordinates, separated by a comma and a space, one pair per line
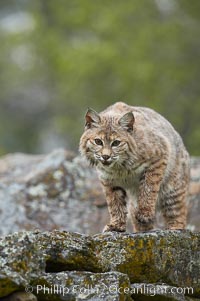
112, 266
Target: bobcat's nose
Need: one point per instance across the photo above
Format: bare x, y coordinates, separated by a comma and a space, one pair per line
105, 157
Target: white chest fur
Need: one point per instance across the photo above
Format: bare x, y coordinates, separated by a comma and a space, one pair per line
127, 179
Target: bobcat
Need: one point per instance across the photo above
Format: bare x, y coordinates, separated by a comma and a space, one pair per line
139, 156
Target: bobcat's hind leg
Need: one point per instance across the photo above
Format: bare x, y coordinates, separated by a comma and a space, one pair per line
174, 209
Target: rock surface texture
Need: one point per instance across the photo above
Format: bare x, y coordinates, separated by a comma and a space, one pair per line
60, 191
70, 266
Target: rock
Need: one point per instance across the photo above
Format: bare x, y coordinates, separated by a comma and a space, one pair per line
83, 286
20, 296
111, 262
171, 257
54, 191
194, 195
60, 191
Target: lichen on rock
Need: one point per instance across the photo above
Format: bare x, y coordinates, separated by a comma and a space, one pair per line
63, 258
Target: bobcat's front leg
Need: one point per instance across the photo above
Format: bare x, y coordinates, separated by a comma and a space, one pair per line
116, 200
148, 194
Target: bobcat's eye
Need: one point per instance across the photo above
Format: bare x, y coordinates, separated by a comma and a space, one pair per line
116, 143
98, 141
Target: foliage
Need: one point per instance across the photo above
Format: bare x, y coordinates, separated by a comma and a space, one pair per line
93, 53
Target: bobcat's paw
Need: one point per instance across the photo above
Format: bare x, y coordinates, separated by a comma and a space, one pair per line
176, 226
144, 220
115, 228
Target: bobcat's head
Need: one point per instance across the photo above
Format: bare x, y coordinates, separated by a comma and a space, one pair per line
105, 141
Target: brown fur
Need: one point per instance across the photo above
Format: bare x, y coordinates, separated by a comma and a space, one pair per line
139, 156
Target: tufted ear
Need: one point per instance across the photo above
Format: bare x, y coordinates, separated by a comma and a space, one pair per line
127, 121
91, 118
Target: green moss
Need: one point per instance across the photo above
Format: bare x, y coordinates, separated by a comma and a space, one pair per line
7, 286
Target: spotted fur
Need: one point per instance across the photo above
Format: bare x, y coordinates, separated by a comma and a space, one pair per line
139, 156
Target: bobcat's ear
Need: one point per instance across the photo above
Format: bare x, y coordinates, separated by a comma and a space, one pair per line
91, 118
127, 121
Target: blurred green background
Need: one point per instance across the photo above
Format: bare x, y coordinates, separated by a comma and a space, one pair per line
59, 57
